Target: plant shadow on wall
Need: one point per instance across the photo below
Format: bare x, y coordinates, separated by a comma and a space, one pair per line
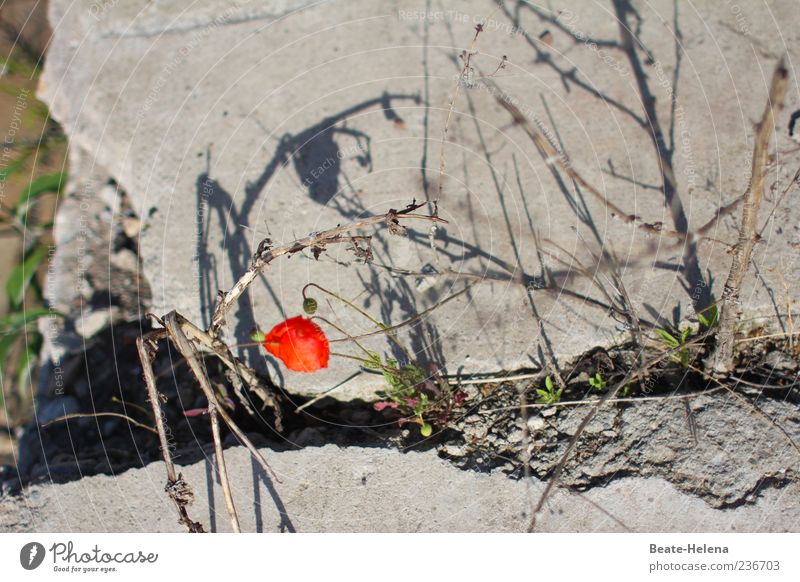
654, 364
315, 147
638, 56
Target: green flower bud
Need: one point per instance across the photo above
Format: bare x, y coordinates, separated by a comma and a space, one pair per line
426, 430
310, 305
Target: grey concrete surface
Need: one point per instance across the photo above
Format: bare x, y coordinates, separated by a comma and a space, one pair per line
228, 122
332, 489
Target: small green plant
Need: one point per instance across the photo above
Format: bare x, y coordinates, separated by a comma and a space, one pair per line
709, 317
20, 340
626, 391
404, 393
597, 382
549, 395
672, 342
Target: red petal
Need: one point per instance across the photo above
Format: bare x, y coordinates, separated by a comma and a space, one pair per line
300, 344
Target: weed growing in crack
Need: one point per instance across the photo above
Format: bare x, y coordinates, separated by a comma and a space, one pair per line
598, 382
676, 340
405, 393
709, 317
549, 394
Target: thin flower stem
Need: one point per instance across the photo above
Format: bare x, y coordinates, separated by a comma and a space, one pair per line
382, 326
352, 357
340, 330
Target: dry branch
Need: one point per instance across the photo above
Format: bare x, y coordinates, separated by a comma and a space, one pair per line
172, 323
223, 470
265, 255
177, 489
730, 310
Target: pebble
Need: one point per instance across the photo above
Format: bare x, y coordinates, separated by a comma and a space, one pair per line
536, 423
780, 361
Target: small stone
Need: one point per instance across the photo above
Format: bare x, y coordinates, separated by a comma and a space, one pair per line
516, 437
548, 412
92, 322
131, 226
778, 360
125, 260
536, 423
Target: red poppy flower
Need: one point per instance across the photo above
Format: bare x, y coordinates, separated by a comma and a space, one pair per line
300, 344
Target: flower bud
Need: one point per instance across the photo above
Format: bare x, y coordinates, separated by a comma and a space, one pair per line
310, 305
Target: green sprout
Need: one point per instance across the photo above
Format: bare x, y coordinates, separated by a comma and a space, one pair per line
672, 342
709, 317
597, 382
549, 395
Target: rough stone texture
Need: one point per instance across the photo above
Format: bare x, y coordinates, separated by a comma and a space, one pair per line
229, 122
330, 489
712, 446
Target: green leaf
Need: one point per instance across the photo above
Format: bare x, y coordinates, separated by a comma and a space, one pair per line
667, 338
7, 342
18, 319
258, 336
21, 276
710, 320
548, 381
16, 165
597, 382
41, 185
18, 66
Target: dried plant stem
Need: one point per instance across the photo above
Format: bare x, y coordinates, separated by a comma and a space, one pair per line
176, 333
631, 400
98, 414
264, 255
223, 352
177, 489
560, 159
223, 471
466, 57
188, 351
721, 361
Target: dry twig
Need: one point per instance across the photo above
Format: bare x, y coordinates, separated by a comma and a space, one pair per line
264, 255
177, 489
721, 361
